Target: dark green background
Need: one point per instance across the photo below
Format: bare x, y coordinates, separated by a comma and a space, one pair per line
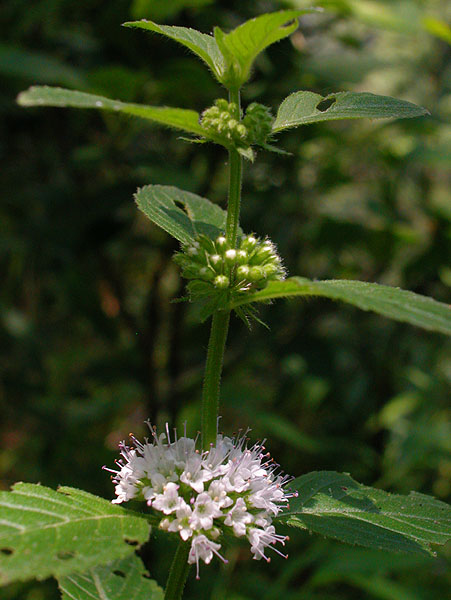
90, 343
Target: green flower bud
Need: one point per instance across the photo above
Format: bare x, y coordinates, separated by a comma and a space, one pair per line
216, 261
221, 282
270, 269
242, 257
256, 274
248, 243
258, 120
243, 272
206, 273
221, 242
230, 256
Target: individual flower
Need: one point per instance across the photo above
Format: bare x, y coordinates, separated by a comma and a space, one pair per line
200, 495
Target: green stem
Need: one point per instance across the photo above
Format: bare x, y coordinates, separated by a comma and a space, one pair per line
178, 573
235, 172
221, 318
212, 378
213, 367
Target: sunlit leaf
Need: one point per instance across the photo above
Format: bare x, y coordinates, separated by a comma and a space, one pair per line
202, 44
124, 579
45, 532
179, 118
241, 46
182, 214
334, 505
390, 302
302, 108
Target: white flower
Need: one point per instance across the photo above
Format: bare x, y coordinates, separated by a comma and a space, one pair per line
181, 523
238, 518
261, 538
205, 510
169, 501
193, 474
203, 548
218, 493
200, 495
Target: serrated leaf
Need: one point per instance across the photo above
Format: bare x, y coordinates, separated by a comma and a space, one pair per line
334, 505
303, 108
45, 532
179, 118
182, 214
390, 302
241, 46
202, 44
124, 579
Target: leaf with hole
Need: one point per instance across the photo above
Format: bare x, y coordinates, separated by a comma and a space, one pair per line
241, 46
390, 302
179, 118
45, 532
182, 214
303, 108
202, 44
334, 505
123, 579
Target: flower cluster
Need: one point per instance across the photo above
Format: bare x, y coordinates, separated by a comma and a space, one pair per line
214, 265
223, 121
229, 488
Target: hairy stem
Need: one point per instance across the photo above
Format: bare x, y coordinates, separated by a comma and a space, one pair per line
178, 573
234, 196
221, 318
213, 367
212, 378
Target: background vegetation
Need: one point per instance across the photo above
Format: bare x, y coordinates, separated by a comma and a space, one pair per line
91, 345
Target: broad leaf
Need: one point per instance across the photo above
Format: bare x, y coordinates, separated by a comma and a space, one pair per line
390, 302
302, 108
202, 44
180, 118
124, 579
241, 46
334, 505
182, 214
45, 532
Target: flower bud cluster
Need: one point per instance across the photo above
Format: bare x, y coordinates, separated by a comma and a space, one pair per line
229, 488
223, 120
258, 121
216, 266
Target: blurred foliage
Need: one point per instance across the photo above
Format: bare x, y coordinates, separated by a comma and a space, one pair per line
90, 344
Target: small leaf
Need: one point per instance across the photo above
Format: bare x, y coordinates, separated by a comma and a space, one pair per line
202, 44
390, 302
302, 108
182, 214
43, 532
242, 45
179, 118
334, 505
124, 579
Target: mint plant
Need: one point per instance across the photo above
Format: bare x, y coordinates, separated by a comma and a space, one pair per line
203, 491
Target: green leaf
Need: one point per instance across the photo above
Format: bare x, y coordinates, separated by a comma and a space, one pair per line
302, 108
241, 46
202, 44
182, 214
180, 118
334, 505
45, 532
124, 579
390, 302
